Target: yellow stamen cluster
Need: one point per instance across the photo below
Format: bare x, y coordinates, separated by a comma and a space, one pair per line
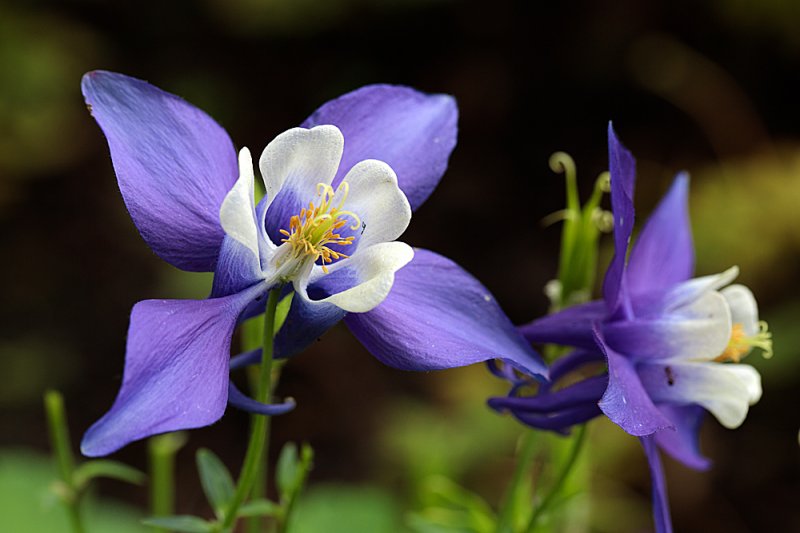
316, 227
740, 344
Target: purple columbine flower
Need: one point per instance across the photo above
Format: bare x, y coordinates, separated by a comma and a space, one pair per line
339, 190
668, 340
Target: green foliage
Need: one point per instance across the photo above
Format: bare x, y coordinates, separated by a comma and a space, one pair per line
108, 469
28, 504
260, 507
577, 265
216, 481
183, 523
451, 508
292, 469
346, 509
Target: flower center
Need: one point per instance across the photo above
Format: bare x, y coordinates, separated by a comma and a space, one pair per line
740, 344
316, 227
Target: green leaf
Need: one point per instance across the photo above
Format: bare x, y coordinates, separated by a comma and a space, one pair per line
347, 509
260, 507
454, 508
109, 469
253, 328
287, 470
283, 311
216, 480
184, 523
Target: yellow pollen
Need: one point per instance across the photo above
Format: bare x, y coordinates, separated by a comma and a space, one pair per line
315, 228
740, 344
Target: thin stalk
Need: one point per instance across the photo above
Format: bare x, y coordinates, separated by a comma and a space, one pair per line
59, 442
257, 446
562, 478
505, 522
161, 451
255, 524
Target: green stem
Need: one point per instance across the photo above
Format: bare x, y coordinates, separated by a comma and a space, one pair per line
161, 451
59, 441
555, 490
255, 524
505, 522
257, 446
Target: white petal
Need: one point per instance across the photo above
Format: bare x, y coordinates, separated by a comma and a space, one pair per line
359, 283
301, 158
744, 309
751, 379
726, 390
697, 331
687, 291
708, 327
376, 198
237, 212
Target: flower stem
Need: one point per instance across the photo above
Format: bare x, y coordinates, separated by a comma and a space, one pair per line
257, 446
555, 490
59, 441
161, 451
505, 522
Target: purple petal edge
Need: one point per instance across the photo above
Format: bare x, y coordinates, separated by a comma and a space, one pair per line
622, 168
661, 514
412, 131
664, 252
174, 166
176, 370
439, 316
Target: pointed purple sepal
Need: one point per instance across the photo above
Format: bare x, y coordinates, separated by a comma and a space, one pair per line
412, 131
661, 516
174, 166
663, 255
438, 316
176, 371
622, 168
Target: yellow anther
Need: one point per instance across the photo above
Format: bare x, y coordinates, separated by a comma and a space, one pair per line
312, 231
740, 344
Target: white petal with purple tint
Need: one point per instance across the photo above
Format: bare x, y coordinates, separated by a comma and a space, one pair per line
299, 159
413, 132
744, 309
237, 214
360, 283
726, 390
376, 198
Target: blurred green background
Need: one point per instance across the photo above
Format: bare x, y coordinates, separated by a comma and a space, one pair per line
710, 87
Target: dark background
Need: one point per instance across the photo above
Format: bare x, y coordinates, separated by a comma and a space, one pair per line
706, 86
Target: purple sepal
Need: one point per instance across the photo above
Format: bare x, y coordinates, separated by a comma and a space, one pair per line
683, 444
174, 166
412, 131
570, 327
176, 371
239, 400
663, 255
626, 401
560, 421
572, 361
237, 269
305, 323
586, 392
622, 168
438, 316
661, 515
